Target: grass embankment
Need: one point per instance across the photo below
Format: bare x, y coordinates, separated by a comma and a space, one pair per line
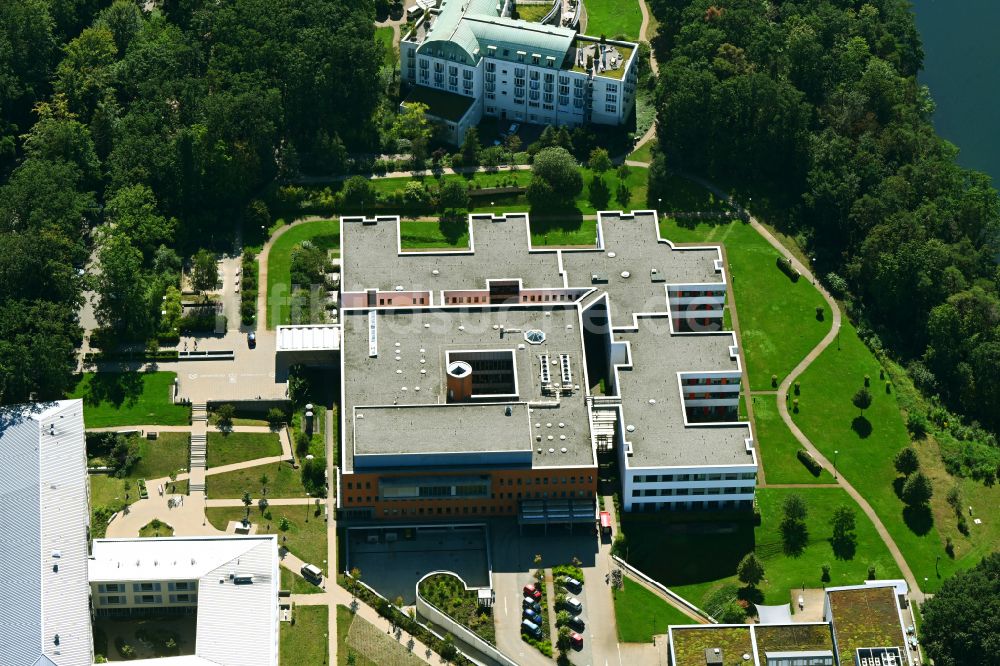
282, 481
867, 445
234, 447
780, 448
702, 563
324, 234
369, 645
641, 614
129, 398
305, 642
613, 18
306, 540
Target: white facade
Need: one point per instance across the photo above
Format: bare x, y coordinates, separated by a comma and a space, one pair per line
44, 524
511, 82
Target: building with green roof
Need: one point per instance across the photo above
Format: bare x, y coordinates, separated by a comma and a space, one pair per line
514, 70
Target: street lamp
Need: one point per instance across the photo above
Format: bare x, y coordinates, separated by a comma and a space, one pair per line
835, 452
659, 204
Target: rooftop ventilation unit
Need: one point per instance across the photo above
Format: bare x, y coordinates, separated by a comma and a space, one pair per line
545, 375
567, 374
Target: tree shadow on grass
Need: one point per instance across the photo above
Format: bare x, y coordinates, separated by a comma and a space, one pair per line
567, 219
897, 486
919, 519
794, 537
752, 595
117, 388
844, 549
453, 226
862, 426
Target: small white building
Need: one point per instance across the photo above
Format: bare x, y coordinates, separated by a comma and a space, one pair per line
230, 582
468, 59
44, 531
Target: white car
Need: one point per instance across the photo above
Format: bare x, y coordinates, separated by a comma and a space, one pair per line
513, 128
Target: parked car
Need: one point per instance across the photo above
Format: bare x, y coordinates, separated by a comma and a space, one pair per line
576, 622
573, 584
251, 339
574, 604
530, 628
312, 572
513, 128
529, 614
576, 640
532, 591
532, 604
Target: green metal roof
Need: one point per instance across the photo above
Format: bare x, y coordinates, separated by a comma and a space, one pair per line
464, 29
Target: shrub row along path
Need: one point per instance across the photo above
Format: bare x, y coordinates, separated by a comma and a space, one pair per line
653, 66
915, 592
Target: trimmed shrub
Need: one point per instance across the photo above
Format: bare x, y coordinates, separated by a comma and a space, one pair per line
810, 463
786, 267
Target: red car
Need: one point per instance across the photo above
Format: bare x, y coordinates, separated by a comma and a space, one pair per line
531, 591
577, 640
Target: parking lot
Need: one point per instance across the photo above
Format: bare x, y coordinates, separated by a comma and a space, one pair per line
392, 559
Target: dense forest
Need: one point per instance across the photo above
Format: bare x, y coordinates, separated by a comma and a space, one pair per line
134, 137
812, 108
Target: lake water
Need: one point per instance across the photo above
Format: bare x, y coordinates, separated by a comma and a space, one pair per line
962, 68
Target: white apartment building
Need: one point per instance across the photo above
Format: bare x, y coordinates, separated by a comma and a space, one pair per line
467, 59
44, 525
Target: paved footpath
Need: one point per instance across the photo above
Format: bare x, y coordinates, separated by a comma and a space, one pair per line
915, 592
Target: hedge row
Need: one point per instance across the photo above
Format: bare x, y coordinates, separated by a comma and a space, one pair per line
806, 459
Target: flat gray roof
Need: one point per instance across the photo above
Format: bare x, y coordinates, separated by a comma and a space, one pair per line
420, 340
661, 438
372, 259
444, 428
635, 242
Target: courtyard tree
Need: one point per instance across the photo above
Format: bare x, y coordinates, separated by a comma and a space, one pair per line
358, 193
917, 491
262, 503
555, 181
412, 125
264, 480
844, 522
599, 162
750, 570
471, 148
962, 621
224, 415
862, 399
906, 461
123, 305
204, 271
247, 501
793, 526
453, 196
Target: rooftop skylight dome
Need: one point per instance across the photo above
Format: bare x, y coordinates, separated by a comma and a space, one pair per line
534, 336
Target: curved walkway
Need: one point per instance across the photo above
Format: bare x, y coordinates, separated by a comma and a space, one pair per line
915, 592
653, 66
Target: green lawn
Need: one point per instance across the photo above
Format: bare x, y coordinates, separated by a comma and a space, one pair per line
533, 12
304, 643
384, 35
613, 17
163, 456
644, 153
156, 528
306, 540
681, 194
424, 235
867, 446
642, 614
224, 449
778, 324
370, 645
777, 446
283, 481
129, 398
324, 233
296, 584
702, 564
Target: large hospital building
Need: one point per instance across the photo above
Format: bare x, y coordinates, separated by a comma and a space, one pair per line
487, 381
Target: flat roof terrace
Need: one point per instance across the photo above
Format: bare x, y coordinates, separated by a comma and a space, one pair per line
413, 346
865, 618
630, 249
373, 259
651, 398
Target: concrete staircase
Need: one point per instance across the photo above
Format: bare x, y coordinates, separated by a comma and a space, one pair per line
199, 448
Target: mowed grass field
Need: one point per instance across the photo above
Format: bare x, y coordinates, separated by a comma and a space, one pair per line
867, 446
304, 643
702, 564
324, 233
613, 18
778, 322
384, 35
640, 614
234, 447
129, 398
306, 540
779, 448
